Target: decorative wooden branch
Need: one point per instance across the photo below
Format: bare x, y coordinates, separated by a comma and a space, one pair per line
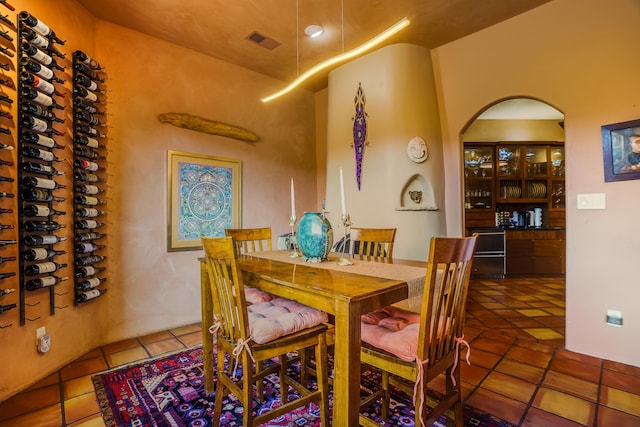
199, 124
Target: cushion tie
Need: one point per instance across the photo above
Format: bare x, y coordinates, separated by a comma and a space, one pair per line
459, 340
237, 350
213, 329
419, 387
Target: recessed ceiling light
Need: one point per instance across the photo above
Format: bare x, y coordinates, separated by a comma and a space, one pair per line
313, 31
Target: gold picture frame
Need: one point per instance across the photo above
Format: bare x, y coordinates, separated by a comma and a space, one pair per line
204, 198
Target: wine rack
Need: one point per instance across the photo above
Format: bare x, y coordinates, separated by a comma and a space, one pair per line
9, 295
41, 105
89, 183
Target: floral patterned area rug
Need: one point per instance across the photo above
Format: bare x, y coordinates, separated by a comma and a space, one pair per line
169, 392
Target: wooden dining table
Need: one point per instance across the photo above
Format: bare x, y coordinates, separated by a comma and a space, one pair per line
337, 290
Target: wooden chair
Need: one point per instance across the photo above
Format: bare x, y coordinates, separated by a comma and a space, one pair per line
247, 240
437, 340
372, 243
232, 330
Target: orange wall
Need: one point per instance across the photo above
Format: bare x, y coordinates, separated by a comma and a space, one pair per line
151, 289
579, 56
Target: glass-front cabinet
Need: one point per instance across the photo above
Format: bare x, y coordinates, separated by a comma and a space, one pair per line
479, 177
521, 177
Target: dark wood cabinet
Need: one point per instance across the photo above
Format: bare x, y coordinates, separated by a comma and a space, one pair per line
535, 252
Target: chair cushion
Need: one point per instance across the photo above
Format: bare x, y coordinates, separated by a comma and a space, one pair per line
392, 329
279, 317
256, 296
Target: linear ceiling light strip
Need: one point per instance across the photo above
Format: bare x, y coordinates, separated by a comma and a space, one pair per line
342, 57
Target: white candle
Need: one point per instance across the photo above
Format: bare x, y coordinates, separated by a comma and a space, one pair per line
344, 204
293, 201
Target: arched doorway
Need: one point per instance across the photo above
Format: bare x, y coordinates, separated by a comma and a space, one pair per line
513, 163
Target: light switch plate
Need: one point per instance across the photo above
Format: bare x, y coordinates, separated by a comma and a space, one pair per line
592, 201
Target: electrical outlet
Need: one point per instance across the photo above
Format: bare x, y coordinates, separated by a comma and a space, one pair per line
614, 318
40, 332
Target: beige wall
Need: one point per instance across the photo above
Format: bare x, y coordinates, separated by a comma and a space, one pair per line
577, 55
493, 130
151, 289
400, 105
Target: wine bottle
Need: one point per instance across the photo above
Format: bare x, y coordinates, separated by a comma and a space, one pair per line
37, 40
6, 179
6, 275
89, 177
38, 195
33, 225
85, 116
38, 254
87, 237
37, 153
88, 200
82, 80
7, 258
87, 71
6, 291
87, 271
33, 181
6, 147
39, 97
3, 210
8, 195
8, 53
33, 22
88, 247
35, 167
5, 18
42, 268
7, 242
5, 98
86, 165
89, 295
39, 125
7, 307
86, 141
83, 93
40, 56
40, 84
37, 240
88, 153
39, 111
88, 189
80, 56
41, 210
94, 282
44, 282
5, 162
7, 226
86, 106
88, 260
86, 129
88, 224
89, 212
39, 70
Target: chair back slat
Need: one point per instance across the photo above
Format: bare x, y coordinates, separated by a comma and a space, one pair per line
372, 243
226, 289
445, 295
247, 240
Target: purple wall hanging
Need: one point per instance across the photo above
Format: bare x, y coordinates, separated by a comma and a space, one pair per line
359, 131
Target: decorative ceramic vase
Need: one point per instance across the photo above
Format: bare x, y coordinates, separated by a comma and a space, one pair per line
314, 236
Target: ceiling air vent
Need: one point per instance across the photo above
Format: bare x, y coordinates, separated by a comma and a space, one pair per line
262, 40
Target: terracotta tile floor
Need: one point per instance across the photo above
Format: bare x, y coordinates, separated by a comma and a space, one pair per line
520, 370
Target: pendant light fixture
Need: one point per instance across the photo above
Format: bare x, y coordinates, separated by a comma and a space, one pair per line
344, 56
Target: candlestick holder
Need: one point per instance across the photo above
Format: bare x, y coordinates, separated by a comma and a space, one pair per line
346, 222
294, 241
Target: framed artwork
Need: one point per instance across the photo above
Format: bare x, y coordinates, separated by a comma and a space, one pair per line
204, 198
621, 151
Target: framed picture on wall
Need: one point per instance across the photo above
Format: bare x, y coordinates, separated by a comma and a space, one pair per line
621, 151
204, 198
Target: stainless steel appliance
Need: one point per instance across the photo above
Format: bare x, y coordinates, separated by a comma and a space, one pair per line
489, 257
